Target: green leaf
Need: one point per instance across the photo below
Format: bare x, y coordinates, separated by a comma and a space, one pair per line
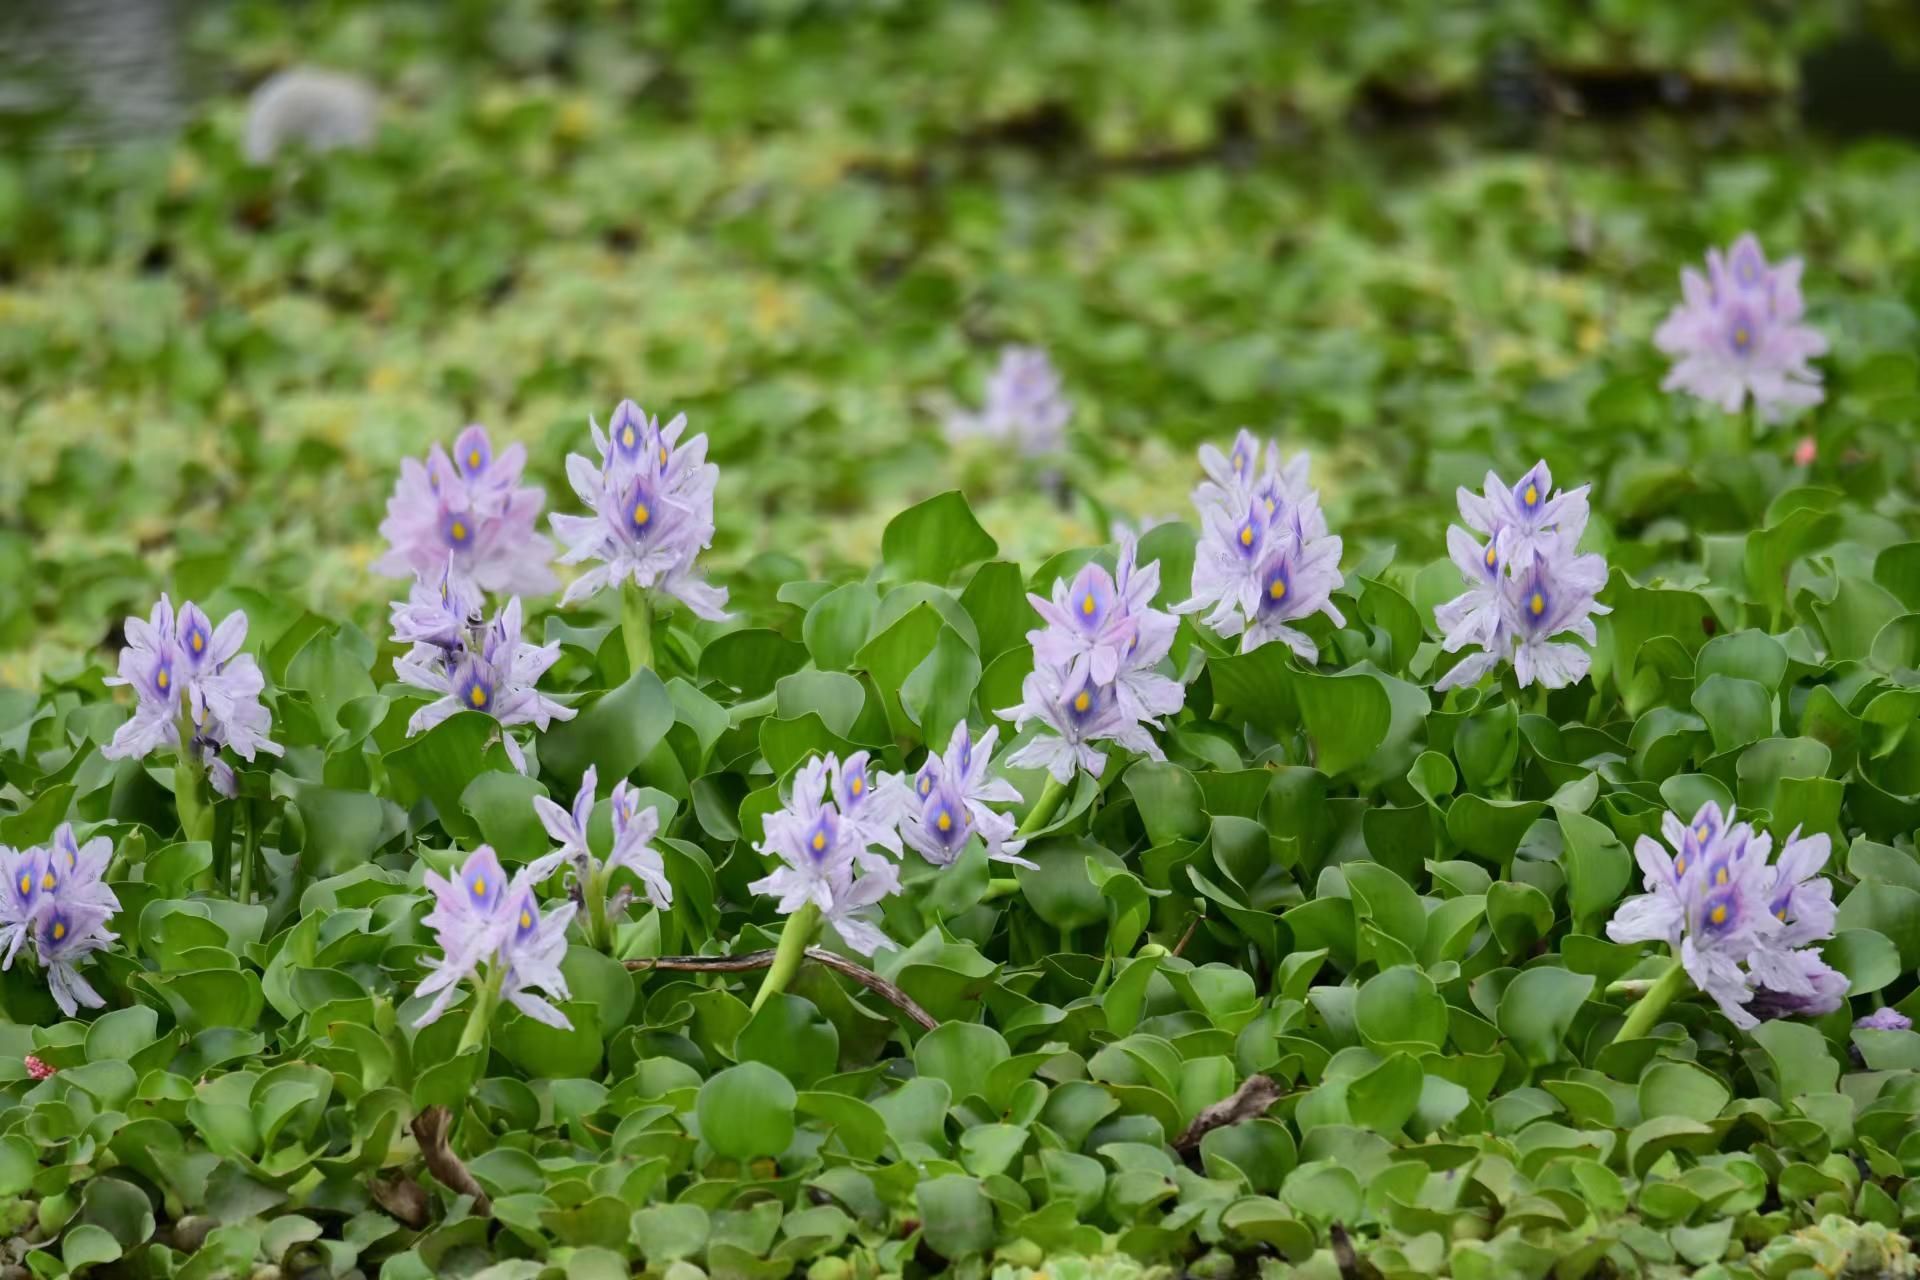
932, 541
1400, 1007
838, 624
750, 660
614, 733
790, 1035
439, 765
746, 1111
1736, 711
1802, 1063
956, 1218
961, 1054
1682, 1089
1537, 1008
937, 692
1346, 718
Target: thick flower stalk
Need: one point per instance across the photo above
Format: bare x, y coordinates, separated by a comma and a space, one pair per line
195, 693
492, 933
1265, 560
650, 496
828, 873
468, 511
488, 669
1737, 335
1025, 406
1527, 584
950, 803
1740, 926
57, 898
633, 832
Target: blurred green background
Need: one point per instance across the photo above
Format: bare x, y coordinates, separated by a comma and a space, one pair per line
1419, 238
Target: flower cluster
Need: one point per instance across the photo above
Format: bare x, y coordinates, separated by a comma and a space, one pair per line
473, 666
633, 831
57, 898
189, 676
1742, 925
1526, 583
468, 516
480, 918
1095, 676
651, 495
1025, 405
835, 814
949, 803
1265, 560
1738, 333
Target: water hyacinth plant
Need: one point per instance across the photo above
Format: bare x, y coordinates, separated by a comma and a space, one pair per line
823, 931
1738, 335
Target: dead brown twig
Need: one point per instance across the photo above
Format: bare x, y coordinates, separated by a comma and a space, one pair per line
430, 1130
752, 960
1255, 1094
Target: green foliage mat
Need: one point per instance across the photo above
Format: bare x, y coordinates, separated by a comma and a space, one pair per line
1367, 918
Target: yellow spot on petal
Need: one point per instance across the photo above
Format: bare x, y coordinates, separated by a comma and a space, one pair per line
1081, 701
199, 642
162, 679
526, 919
1680, 865
946, 821
1718, 915
819, 841
478, 696
857, 785
473, 458
1701, 832
1086, 605
47, 881
640, 513
1720, 876
459, 531
926, 785
1533, 494
480, 887
1537, 605
1246, 535
1781, 915
1278, 591
627, 438
1741, 337
1491, 555
663, 455
26, 883
59, 930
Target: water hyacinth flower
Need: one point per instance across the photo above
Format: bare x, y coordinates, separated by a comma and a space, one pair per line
1073, 719
1738, 334
480, 918
441, 611
651, 495
1265, 559
1103, 627
1740, 923
1527, 585
494, 673
950, 804
1887, 1019
468, 511
633, 832
828, 862
188, 673
57, 898
1025, 405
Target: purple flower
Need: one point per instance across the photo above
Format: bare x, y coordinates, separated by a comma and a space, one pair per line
1025, 404
469, 510
183, 669
950, 804
1886, 1019
1526, 585
494, 674
1072, 718
1265, 559
57, 897
1740, 923
870, 802
652, 502
441, 612
827, 861
1104, 627
1738, 333
633, 832
479, 918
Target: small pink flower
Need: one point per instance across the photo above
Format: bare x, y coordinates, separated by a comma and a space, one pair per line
1805, 452
36, 1069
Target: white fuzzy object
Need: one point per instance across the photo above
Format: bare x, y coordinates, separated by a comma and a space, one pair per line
310, 107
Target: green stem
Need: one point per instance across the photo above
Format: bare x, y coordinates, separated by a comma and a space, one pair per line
249, 849
636, 626
1043, 809
599, 936
1000, 887
485, 998
741, 712
794, 941
1647, 1011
